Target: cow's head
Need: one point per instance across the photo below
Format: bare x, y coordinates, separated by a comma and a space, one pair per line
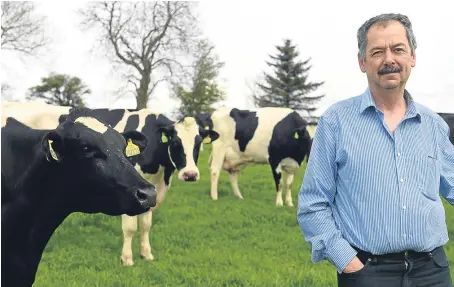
183, 140
302, 136
204, 121
94, 161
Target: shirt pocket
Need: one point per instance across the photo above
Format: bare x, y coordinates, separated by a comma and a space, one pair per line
429, 175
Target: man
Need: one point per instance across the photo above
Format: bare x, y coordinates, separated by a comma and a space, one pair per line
369, 202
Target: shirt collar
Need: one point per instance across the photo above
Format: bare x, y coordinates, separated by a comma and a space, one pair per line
367, 100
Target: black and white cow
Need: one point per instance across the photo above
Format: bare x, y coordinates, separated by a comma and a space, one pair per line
449, 119
81, 166
171, 146
274, 136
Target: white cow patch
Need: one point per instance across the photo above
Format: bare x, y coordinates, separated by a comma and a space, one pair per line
186, 131
93, 124
311, 129
288, 165
37, 115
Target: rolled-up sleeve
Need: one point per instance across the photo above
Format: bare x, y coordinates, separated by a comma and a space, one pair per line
316, 195
447, 164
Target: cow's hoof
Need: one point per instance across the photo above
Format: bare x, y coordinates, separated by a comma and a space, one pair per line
126, 261
279, 204
148, 256
289, 204
214, 198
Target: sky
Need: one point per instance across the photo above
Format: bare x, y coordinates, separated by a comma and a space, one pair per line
245, 33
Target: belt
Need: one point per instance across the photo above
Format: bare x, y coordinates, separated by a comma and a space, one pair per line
407, 254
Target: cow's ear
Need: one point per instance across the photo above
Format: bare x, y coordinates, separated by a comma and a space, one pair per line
300, 132
166, 133
136, 142
208, 136
52, 146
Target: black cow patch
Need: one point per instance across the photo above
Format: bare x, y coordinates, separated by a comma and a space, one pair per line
111, 117
204, 121
290, 139
132, 123
246, 124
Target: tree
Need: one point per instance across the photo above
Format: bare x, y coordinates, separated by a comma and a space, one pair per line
289, 86
60, 90
204, 91
21, 30
145, 38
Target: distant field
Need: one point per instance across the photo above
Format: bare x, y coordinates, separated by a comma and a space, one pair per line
196, 241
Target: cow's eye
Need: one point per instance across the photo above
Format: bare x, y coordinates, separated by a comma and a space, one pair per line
88, 150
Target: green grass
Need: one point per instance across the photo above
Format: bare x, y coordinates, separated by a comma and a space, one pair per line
196, 241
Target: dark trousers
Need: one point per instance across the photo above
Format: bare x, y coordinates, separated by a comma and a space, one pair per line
405, 269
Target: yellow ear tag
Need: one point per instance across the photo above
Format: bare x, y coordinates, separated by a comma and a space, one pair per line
296, 135
52, 152
207, 140
164, 138
132, 149
207, 127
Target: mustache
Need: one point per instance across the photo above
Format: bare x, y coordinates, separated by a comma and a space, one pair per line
389, 70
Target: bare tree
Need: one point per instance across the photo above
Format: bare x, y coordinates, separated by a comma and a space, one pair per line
147, 39
21, 30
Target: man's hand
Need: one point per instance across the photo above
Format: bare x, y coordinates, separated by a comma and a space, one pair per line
354, 266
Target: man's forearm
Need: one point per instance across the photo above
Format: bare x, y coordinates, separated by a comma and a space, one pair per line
319, 229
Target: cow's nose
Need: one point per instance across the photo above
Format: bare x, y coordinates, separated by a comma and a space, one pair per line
147, 196
190, 176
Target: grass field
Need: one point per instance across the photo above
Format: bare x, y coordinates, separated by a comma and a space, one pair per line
196, 241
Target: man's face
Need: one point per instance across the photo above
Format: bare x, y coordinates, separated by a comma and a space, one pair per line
388, 60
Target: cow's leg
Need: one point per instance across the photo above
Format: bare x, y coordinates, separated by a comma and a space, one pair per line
129, 226
233, 176
145, 221
288, 180
278, 184
216, 162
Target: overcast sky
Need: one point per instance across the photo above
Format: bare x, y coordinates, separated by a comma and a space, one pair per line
244, 34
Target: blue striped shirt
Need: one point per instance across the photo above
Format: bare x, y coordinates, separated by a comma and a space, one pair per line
367, 187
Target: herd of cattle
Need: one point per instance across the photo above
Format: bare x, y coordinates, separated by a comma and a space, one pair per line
57, 160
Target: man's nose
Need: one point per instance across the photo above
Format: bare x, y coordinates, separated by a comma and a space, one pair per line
389, 57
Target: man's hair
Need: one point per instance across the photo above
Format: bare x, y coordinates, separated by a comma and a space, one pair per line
384, 19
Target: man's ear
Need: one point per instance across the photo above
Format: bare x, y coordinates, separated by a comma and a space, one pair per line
136, 142
362, 64
166, 133
208, 136
52, 147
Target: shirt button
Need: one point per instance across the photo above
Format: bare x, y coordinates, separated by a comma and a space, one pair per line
398, 154
404, 207
401, 180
